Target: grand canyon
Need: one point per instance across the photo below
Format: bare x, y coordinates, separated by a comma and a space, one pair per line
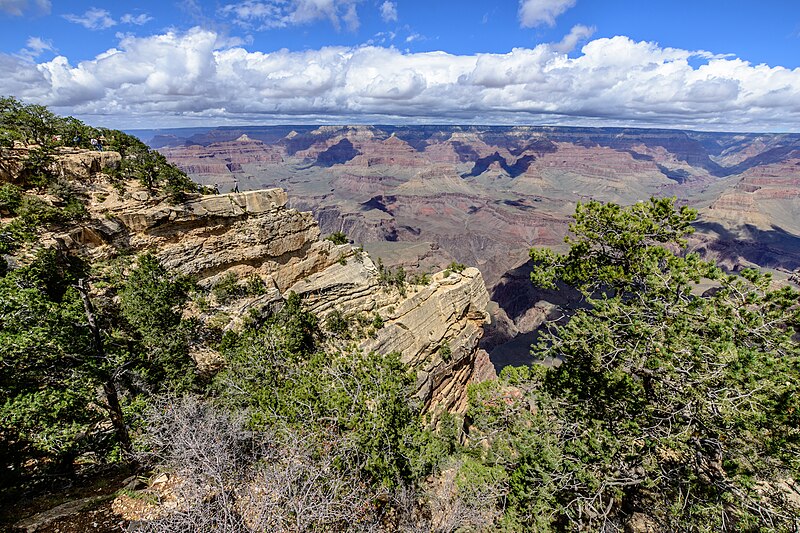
424, 196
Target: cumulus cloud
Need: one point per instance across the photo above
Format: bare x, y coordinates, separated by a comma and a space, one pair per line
389, 11
17, 8
269, 14
534, 13
578, 34
181, 78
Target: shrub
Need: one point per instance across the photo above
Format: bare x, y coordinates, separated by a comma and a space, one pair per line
421, 279
337, 237
457, 267
227, 288
10, 198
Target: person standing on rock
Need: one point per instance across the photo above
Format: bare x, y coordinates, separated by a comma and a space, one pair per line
216, 189
235, 185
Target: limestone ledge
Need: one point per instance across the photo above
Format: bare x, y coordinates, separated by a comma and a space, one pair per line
235, 205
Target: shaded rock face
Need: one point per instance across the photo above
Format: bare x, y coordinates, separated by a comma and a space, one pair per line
255, 233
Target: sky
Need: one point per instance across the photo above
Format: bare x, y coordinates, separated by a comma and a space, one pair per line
719, 65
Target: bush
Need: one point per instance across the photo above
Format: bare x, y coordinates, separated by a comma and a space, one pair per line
336, 323
337, 237
227, 288
421, 279
10, 198
456, 267
37, 169
392, 278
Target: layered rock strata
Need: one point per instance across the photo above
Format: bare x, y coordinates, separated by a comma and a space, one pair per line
435, 328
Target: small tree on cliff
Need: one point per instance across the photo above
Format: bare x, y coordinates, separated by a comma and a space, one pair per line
672, 405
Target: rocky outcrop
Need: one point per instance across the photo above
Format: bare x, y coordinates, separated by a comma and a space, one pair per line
436, 331
435, 328
71, 163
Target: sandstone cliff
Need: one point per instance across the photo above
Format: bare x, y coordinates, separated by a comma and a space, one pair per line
436, 327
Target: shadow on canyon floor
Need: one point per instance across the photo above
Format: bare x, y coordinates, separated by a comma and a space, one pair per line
775, 248
523, 309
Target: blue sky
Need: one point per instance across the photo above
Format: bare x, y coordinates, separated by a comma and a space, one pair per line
704, 64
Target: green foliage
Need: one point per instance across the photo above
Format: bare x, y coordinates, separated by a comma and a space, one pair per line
616, 248
392, 278
445, 352
337, 237
421, 279
336, 322
362, 396
37, 168
153, 170
50, 382
275, 371
456, 267
150, 301
36, 124
352, 327
32, 214
229, 287
10, 198
32, 123
667, 403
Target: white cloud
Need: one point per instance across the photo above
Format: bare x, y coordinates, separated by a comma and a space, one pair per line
389, 11
196, 76
93, 19
534, 13
577, 34
269, 14
101, 19
34, 47
136, 20
17, 8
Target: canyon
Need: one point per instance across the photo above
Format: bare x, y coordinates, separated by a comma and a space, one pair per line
424, 196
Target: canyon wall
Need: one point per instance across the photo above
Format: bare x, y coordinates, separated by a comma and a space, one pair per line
254, 233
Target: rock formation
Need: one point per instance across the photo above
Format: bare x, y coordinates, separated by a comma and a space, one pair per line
435, 328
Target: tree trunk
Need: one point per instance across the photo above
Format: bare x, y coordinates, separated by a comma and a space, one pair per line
109, 388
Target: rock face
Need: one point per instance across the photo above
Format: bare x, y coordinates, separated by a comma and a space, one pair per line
71, 163
435, 328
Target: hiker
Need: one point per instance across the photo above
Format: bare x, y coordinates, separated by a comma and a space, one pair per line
235, 185
100, 142
76, 140
216, 189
